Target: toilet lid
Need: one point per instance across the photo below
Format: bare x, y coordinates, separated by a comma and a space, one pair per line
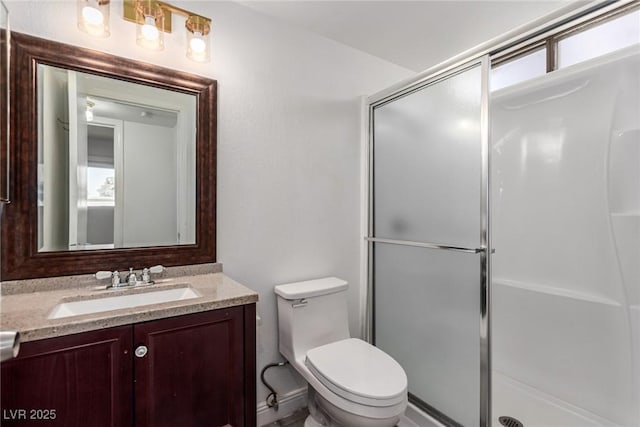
359, 372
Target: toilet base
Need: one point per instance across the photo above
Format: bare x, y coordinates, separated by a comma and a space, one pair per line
323, 413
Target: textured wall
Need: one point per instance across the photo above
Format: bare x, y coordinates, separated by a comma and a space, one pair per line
288, 143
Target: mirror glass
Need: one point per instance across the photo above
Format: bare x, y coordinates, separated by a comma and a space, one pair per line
116, 163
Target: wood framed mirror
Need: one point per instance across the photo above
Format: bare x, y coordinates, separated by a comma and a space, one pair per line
156, 184
5, 42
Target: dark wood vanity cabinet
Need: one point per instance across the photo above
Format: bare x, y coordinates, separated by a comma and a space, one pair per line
193, 372
74, 380
196, 370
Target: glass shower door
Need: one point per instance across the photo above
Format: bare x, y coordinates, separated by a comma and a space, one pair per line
428, 239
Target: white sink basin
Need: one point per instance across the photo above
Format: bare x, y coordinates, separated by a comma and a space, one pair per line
97, 305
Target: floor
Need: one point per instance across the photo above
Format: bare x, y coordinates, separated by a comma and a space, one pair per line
294, 420
297, 420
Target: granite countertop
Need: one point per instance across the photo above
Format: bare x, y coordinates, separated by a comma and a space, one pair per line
27, 312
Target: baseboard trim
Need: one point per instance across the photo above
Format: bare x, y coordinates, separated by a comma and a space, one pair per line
288, 403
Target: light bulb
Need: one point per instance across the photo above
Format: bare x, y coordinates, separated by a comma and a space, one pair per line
198, 39
149, 29
197, 44
92, 16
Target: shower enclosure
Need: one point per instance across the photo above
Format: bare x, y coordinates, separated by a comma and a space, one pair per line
504, 231
433, 231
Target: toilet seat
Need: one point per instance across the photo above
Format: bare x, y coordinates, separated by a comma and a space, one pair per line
358, 372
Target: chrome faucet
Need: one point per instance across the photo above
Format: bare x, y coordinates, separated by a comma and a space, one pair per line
132, 279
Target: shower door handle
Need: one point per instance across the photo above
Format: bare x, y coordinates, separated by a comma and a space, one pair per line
428, 245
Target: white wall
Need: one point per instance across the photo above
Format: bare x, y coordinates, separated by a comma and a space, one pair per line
288, 143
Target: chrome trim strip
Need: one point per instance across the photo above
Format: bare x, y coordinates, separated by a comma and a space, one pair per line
429, 80
426, 245
369, 331
485, 257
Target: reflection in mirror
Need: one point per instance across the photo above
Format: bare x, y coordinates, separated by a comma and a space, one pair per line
116, 163
54, 88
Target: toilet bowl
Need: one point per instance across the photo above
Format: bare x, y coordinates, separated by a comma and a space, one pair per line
351, 382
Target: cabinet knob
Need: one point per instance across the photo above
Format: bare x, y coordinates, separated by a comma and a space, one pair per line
141, 351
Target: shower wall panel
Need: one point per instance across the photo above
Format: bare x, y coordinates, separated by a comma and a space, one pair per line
566, 232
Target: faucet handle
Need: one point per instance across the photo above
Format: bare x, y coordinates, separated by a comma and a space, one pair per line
115, 279
102, 275
156, 269
146, 273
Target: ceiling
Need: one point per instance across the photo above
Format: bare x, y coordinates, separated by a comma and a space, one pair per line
413, 34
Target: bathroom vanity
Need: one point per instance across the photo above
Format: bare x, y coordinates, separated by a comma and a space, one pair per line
178, 353
178, 363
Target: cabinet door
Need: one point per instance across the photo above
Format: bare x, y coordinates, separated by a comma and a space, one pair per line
76, 380
192, 373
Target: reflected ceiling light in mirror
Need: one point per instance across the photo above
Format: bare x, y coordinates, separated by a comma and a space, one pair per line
93, 17
89, 110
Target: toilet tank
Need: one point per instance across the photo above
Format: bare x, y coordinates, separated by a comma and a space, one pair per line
310, 314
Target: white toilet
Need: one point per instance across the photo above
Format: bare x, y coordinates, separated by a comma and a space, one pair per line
351, 383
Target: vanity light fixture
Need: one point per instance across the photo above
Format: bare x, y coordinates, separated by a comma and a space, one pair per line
93, 17
153, 18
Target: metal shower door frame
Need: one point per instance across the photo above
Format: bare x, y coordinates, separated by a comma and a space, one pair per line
483, 250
